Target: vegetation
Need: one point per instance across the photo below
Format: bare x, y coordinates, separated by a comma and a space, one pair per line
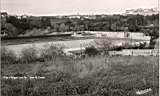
104, 44
91, 51
29, 55
15, 26
51, 52
92, 76
7, 56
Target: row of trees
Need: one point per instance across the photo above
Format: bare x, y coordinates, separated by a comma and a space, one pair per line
14, 26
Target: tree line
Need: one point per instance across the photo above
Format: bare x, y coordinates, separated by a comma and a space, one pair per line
14, 26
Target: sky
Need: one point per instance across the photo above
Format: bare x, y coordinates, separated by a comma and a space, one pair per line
64, 7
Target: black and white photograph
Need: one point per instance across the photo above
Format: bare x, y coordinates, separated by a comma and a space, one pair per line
79, 47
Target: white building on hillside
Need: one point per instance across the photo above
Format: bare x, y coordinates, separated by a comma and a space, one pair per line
141, 11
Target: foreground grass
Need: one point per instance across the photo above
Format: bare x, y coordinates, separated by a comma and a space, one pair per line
92, 76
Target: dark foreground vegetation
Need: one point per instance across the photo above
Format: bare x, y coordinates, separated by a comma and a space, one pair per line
66, 76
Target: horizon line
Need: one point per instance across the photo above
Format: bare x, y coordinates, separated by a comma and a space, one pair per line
78, 13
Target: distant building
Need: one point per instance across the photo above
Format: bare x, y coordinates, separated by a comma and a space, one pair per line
141, 11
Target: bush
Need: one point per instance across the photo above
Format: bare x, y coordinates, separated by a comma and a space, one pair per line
105, 44
8, 56
91, 51
28, 55
51, 52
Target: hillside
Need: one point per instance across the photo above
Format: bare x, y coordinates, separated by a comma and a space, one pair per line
13, 26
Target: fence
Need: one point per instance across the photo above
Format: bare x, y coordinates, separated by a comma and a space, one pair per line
136, 52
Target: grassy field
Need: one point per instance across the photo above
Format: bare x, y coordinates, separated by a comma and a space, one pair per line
90, 76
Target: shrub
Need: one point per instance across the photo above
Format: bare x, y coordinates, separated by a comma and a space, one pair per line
28, 55
51, 52
91, 51
105, 44
8, 56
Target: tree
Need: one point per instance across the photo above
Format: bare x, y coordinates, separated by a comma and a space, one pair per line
45, 22
91, 51
11, 30
105, 44
62, 27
